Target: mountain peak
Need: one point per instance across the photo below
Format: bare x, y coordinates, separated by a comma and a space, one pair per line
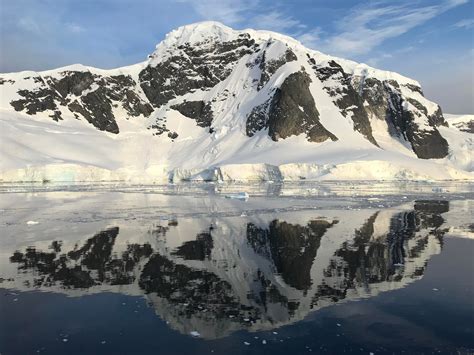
199, 31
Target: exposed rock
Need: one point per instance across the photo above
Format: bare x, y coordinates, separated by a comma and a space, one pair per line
173, 135
3, 81
83, 93
269, 67
414, 88
197, 110
192, 68
464, 126
97, 110
426, 143
257, 119
346, 97
385, 101
35, 101
292, 111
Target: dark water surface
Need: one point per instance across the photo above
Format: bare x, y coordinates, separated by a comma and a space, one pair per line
134, 272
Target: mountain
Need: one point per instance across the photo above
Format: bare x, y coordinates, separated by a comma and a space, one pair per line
213, 103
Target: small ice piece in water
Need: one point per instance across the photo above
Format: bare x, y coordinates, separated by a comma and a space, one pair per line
65, 340
32, 223
238, 196
103, 342
246, 320
275, 333
338, 324
195, 334
246, 343
264, 341
435, 289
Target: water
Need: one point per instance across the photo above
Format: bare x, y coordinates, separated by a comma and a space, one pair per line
299, 268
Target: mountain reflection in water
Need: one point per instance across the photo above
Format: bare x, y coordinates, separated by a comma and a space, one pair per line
240, 272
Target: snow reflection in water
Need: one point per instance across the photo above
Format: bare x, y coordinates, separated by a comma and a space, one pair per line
216, 274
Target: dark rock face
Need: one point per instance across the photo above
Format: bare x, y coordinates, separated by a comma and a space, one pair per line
346, 97
34, 101
193, 67
257, 118
465, 126
291, 111
197, 110
95, 106
426, 143
363, 97
3, 81
97, 110
269, 67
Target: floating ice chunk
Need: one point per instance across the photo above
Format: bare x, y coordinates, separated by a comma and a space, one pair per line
238, 196
246, 343
195, 334
264, 342
32, 223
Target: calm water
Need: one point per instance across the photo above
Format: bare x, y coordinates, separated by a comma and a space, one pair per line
328, 268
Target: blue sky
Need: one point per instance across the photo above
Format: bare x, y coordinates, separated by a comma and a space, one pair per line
429, 40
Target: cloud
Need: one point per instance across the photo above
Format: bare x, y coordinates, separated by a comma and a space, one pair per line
28, 24
226, 11
465, 24
311, 38
275, 21
74, 28
367, 27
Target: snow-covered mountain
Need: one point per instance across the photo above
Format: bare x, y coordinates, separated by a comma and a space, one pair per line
214, 103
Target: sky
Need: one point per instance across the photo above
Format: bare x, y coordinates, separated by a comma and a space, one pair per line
431, 41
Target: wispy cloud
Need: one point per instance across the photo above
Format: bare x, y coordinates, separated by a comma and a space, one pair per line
312, 37
231, 12
75, 28
465, 24
275, 21
367, 27
29, 24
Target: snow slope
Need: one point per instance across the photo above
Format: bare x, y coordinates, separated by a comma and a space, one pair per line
33, 147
